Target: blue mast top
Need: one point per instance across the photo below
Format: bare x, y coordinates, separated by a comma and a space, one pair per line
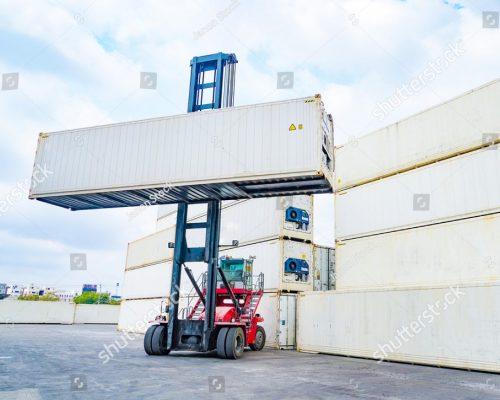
212, 81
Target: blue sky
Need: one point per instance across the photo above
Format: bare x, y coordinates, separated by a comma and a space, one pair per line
79, 64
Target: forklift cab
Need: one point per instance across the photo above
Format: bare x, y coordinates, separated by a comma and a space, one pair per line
238, 272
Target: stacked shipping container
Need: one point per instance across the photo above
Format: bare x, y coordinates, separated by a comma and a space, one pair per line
417, 209
264, 229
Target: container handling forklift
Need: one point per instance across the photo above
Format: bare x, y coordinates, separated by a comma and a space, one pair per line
237, 297
224, 317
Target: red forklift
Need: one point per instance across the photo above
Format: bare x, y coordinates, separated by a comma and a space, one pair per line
236, 325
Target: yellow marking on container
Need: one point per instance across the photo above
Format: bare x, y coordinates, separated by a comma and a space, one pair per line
292, 127
300, 126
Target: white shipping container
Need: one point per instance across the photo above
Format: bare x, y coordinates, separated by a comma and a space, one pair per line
324, 268
151, 249
459, 187
279, 310
259, 219
153, 280
167, 213
276, 148
448, 327
136, 315
248, 221
271, 257
455, 126
460, 252
147, 282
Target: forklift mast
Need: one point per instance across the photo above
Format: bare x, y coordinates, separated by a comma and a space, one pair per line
211, 86
218, 92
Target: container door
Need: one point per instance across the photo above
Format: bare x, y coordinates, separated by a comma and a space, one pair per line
286, 328
332, 272
324, 268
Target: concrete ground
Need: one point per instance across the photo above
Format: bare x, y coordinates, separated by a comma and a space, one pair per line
86, 362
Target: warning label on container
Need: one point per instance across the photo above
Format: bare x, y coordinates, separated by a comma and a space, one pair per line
294, 128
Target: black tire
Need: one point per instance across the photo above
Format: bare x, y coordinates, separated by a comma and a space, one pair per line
260, 339
158, 341
221, 342
235, 343
148, 338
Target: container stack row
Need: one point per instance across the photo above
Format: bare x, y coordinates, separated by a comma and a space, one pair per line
417, 215
278, 232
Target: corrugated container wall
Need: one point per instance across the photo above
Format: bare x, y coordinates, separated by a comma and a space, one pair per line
455, 188
459, 125
137, 315
255, 220
462, 252
167, 213
460, 330
277, 148
286, 264
274, 258
248, 221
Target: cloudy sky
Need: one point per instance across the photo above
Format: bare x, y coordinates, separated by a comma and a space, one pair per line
79, 63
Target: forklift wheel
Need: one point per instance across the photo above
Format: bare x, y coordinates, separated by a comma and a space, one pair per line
235, 343
147, 339
221, 342
260, 339
154, 340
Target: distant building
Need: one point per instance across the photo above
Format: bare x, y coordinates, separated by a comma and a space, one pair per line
65, 295
89, 288
17, 290
3, 291
34, 290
